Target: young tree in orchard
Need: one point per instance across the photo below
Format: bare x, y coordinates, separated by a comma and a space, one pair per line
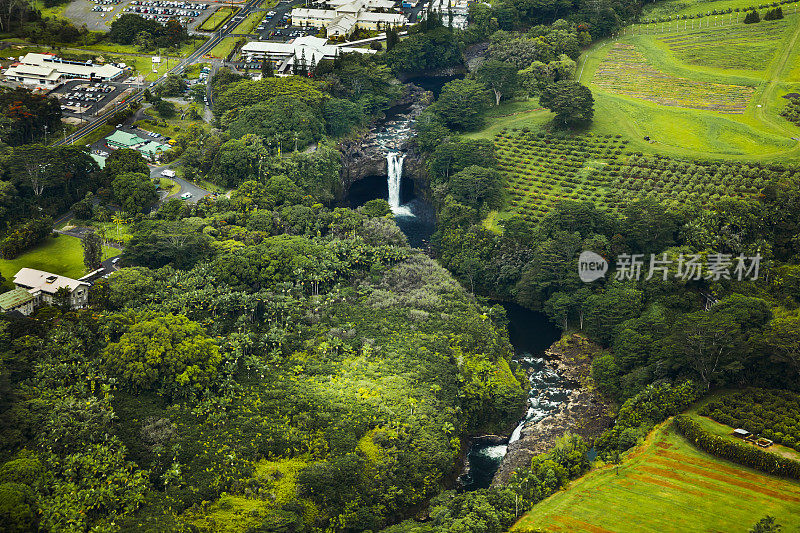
569, 100
499, 76
92, 250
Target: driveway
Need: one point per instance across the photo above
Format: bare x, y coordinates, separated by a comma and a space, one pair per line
186, 186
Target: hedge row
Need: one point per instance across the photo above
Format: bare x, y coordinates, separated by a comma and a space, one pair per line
738, 452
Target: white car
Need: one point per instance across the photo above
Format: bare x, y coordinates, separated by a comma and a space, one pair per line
186, 195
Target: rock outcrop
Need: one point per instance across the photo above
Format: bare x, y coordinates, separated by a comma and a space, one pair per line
584, 412
366, 155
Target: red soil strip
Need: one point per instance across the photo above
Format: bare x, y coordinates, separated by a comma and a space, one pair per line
666, 484
574, 522
721, 468
724, 479
695, 482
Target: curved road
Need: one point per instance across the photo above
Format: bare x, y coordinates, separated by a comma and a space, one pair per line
186, 186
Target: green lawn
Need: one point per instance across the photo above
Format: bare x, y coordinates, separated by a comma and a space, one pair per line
250, 23
217, 18
169, 185
224, 47
667, 485
62, 255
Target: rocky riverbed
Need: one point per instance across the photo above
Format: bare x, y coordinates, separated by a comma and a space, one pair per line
582, 410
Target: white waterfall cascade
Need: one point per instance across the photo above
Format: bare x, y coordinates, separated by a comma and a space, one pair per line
394, 170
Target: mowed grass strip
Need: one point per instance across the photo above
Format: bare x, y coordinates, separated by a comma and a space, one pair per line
666, 485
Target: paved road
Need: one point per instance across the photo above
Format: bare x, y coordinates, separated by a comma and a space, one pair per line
205, 48
186, 186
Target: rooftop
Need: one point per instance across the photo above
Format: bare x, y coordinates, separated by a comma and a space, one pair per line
124, 138
14, 298
45, 281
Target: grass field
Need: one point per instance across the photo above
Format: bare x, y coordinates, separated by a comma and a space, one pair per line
713, 92
667, 485
61, 255
217, 18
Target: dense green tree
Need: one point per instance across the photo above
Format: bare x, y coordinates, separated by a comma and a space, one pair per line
569, 100
92, 250
461, 104
123, 161
478, 187
499, 76
134, 192
164, 352
290, 123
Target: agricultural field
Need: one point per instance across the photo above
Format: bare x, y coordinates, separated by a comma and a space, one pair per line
774, 414
666, 485
541, 169
755, 45
684, 8
626, 71
715, 91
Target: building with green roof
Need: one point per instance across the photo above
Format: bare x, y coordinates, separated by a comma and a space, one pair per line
17, 300
123, 139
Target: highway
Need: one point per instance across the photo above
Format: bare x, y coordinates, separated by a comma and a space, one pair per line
205, 48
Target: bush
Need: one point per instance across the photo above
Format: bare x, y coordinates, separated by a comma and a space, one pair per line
752, 17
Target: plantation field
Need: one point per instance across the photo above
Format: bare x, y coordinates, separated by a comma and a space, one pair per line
541, 169
667, 485
626, 71
713, 92
673, 8
755, 45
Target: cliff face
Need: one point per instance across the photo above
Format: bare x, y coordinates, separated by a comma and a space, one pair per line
366, 155
583, 412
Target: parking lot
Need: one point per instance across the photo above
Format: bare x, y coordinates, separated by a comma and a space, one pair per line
160, 11
79, 98
97, 15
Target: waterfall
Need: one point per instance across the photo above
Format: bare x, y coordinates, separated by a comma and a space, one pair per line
394, 169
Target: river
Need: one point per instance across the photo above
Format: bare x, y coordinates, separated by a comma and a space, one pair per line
531, 333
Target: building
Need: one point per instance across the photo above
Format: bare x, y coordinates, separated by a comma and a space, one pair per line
457, 9
18, 300
343, 17
308, 49
42, 286
122, 139
49, 71
151, 150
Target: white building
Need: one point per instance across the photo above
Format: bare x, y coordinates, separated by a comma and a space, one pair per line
459, 9
44, 285
310, 49
49, 71
344, 16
